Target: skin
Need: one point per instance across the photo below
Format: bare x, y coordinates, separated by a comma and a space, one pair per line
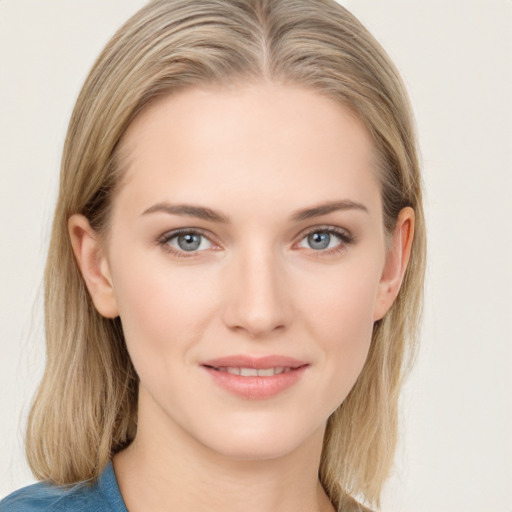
256, 154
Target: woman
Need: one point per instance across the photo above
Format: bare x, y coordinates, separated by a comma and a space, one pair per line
234, 279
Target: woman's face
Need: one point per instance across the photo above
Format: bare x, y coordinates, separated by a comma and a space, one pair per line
246, 258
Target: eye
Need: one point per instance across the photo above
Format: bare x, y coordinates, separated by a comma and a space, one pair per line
325, 239
185, 241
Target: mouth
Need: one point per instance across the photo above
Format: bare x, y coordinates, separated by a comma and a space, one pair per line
253, 372
255, 378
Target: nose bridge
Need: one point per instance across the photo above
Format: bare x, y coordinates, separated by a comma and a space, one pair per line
257, 301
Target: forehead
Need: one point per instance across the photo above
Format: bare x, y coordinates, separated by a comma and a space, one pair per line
268, 142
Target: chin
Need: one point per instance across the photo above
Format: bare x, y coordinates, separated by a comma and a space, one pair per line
259, 441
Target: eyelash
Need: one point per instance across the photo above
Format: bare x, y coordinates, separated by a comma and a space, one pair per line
344, 237
164, 240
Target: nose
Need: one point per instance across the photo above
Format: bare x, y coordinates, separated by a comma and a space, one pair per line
258, 301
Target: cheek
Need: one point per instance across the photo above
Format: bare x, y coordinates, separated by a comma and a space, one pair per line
163, 311
340, 318
349, 325
342, 301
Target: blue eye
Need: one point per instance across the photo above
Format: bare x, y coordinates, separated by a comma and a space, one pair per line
184, 242
187, 241
322, 239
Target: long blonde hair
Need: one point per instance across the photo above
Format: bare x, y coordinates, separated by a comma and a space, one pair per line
86, 407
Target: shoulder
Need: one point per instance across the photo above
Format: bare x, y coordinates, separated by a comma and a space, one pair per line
103, 496
46, 497
43, 496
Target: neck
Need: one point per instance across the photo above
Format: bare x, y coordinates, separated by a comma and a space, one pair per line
165, 470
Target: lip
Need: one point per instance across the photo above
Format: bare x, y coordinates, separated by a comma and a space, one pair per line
272, 361
255, 387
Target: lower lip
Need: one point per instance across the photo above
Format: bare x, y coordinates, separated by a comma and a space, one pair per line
256, 388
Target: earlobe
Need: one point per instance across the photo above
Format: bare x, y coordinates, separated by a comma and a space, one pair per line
397, 259
93, 265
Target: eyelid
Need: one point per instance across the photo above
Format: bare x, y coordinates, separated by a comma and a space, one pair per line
345, 240
182, 231
345, 237
169, 235
343, 233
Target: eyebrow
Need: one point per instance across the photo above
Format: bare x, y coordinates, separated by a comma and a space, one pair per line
189, 210
204, 213
327, 207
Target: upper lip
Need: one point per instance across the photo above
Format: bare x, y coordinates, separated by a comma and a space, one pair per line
243, 361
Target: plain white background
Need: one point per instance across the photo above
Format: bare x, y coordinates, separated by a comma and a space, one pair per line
456, 59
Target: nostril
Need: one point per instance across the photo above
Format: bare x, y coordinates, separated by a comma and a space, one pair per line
256, 298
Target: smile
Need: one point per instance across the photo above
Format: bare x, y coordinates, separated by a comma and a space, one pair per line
255, 378
254, 372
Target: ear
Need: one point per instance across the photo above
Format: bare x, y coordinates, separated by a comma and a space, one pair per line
397, 258
93, 264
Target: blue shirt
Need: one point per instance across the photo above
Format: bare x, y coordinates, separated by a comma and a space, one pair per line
104, 496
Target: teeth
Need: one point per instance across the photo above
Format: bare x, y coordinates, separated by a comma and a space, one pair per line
248, 372
254, 372
266, 373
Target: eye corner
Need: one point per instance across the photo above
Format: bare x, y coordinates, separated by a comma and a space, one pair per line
344, 237
165, 240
